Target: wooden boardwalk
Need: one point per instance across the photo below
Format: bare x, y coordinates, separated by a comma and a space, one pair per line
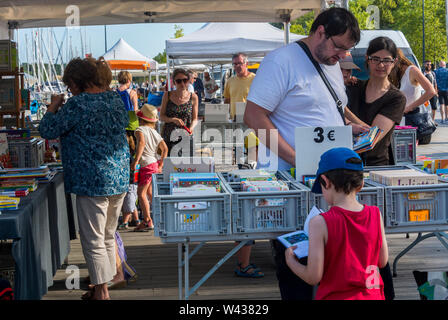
156, 265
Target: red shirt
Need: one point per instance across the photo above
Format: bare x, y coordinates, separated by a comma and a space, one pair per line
352, 253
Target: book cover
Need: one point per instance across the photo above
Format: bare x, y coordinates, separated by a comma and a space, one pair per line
300, 238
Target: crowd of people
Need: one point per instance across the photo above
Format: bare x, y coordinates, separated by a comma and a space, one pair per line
106, 136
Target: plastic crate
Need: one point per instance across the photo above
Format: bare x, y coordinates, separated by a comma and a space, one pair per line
422, 208
40, 152
24, 153
372, 194
285, 210
220, 131
404, 146
178, 217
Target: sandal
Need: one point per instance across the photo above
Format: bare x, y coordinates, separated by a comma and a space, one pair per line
123, 226
256, 273
144, 227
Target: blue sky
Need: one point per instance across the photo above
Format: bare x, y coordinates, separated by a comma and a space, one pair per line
148, 38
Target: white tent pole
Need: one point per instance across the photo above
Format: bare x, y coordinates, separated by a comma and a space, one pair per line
168, 72
157, 77
222, 88
286, 27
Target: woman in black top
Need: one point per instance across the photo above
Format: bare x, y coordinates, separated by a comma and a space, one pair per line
376, 101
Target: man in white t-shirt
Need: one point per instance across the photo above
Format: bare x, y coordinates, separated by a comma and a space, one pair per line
210, 87
288, 92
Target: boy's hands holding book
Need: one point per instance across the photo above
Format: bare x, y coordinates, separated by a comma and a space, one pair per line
290, 255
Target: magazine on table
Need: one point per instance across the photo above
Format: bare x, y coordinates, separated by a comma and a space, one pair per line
300, 238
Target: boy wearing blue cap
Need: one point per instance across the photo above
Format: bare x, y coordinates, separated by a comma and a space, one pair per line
347, 244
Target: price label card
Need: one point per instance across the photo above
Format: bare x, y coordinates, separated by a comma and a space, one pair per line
312, 142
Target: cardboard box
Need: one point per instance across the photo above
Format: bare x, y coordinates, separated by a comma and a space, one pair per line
408, 177
187, 165
216, 112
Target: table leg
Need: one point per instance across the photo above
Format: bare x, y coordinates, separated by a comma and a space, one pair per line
187, 264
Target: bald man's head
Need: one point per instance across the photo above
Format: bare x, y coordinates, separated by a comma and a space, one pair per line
442, 64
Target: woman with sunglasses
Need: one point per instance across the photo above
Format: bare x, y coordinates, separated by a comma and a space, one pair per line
179, 110
378, 102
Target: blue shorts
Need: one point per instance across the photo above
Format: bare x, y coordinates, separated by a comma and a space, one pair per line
129, 202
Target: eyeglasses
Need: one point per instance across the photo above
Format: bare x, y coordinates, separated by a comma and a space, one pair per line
179, 81
338, 48
378, 60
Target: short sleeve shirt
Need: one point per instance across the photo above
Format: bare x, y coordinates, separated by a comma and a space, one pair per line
288, 85
442, 78
237, 90
152, 140
391, 105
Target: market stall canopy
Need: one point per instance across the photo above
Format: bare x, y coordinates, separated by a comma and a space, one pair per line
56, 13
123, 57
216, 41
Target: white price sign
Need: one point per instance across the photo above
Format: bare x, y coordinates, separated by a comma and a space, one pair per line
312, 142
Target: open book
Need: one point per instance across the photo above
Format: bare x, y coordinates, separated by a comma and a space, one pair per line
366, 141
300, 238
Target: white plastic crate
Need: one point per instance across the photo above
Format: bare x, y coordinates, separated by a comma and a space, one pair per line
421, 208
24, 153
372, 194
217, 132
404, 146
265, 212
177, 217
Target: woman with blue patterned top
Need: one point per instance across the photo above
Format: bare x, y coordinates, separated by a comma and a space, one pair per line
95, 158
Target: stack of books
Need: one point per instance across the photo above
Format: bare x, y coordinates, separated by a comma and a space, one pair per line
9, 203
367, 140
8, 185
406, 177
194, 184
42, 173
19, 192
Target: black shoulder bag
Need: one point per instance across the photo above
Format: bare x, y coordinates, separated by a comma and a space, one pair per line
324, 78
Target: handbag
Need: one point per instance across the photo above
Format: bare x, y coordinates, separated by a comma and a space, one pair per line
423, 121
324, 78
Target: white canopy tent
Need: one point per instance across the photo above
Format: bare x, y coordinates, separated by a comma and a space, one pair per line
215, 43
122, 51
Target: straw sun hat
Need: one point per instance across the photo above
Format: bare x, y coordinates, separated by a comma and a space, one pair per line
148, 113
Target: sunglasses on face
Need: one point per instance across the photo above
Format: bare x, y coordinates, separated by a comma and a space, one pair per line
179, 81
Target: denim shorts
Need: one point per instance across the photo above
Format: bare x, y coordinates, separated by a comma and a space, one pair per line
129, 202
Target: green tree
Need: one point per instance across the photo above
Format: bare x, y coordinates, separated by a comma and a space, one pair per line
178, 31
406, 16
161, 57
302, 25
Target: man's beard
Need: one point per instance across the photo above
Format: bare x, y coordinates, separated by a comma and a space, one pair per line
427, 68
320, 49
